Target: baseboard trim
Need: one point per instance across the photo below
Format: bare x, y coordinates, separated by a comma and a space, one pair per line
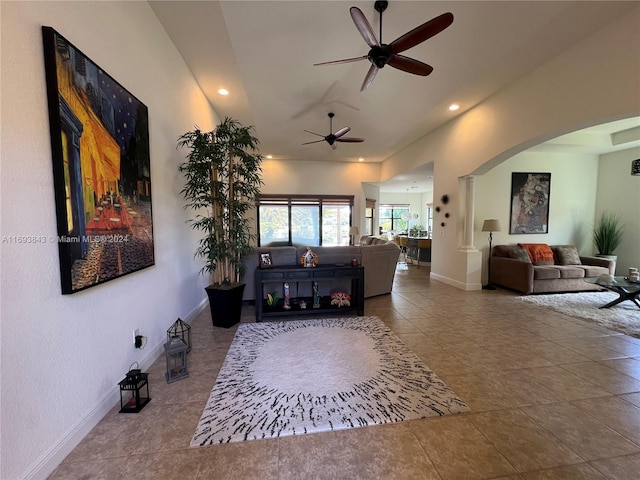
50, 460
53, 457
455, 283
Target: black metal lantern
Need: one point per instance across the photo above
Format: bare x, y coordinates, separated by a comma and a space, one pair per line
176, 354
180, 329
134, 391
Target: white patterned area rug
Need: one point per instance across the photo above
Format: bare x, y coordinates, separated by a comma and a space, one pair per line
304, 376
623, 317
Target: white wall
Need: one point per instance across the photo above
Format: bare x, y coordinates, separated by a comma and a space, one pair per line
574, 179
328, 178
563, 95
62, 356
619, 192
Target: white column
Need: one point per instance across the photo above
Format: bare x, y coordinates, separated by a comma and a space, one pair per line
469, 212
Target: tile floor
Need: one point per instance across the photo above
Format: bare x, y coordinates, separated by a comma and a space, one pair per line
551, 397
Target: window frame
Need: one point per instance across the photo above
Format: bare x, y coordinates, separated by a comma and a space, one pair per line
392, 207
291, 201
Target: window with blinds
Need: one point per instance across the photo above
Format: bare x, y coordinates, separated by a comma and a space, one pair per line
304, 220
369, 213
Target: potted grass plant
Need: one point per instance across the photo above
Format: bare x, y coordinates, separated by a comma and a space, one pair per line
223, 176
607, 234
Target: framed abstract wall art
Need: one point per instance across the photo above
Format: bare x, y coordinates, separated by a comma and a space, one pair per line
530, 203
101, 169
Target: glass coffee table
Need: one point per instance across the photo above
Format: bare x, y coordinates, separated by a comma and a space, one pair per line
624, 288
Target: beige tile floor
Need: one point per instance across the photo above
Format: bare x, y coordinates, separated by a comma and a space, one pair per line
551, 397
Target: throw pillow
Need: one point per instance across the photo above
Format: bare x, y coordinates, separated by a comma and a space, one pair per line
567, 255
539, 253
517, 252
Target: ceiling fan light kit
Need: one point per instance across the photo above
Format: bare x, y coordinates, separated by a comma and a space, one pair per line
381, 54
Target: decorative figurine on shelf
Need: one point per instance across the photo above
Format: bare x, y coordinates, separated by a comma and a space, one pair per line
286, 306
309, 258
316, 297
341, 299
272, 299
303, 305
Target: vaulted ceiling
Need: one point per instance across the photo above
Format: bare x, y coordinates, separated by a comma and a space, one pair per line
263, 53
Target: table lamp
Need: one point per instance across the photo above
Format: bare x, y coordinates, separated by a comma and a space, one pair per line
353, 233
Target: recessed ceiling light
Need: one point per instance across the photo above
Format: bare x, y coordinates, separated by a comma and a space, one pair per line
453, 107
361, 159
223, 91
269, 156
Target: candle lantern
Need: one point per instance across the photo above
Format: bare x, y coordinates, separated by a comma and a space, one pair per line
134, 390
180, 329
176, 355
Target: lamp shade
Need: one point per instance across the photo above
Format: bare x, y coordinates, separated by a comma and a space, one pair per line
491, 225
635, 167
354, 231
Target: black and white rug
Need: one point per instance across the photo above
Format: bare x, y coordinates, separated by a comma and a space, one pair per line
304, 376
623, 318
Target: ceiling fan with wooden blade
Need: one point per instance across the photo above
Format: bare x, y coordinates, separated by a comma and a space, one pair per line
338, 136
382, 54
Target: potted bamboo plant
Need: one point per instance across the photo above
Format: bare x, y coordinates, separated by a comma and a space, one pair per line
607, 234
223, 176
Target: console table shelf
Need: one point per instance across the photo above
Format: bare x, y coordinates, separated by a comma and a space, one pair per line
322, 274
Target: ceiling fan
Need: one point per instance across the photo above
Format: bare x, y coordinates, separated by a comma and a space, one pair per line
382, 54
332, 138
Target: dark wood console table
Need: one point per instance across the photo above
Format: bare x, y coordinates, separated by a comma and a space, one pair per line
321, 274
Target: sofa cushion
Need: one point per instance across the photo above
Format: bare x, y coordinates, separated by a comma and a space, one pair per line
566, 255
518, 252
593, 270
539, 253
570, 271
378, 241
546, 273
511, 251
280, 256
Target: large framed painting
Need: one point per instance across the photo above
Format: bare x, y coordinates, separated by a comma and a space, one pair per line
101, 169
530, 202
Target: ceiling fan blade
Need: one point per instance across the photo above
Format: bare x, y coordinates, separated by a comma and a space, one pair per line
315, 141
364, 27
371, 74
422, 33
410, 65
313, 133
350, 139
346, 60
341, 132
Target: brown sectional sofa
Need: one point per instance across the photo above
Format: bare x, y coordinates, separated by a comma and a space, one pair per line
379, 258
513, 268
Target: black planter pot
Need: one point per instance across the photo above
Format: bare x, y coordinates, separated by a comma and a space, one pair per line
225, 305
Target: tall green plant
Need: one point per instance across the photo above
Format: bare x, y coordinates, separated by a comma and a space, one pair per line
607, 233
223, 176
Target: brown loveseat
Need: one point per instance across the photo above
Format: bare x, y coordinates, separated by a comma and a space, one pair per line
540, 268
